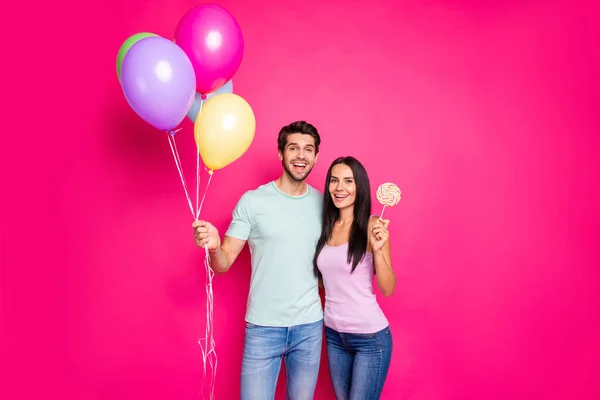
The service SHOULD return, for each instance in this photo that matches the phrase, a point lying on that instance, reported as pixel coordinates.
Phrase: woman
(352, 248)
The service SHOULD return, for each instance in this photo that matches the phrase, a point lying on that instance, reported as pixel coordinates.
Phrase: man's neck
(291, 187)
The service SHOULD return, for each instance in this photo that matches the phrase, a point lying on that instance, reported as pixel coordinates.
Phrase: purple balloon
(158, 81)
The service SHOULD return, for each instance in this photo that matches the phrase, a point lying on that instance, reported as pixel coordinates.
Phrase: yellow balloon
(224, 129)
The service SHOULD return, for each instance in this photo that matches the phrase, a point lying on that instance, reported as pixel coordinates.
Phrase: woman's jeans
(358, 363)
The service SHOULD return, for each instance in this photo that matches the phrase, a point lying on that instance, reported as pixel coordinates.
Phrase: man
(281, 221)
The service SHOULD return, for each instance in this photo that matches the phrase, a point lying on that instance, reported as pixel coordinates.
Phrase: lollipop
(388, 195)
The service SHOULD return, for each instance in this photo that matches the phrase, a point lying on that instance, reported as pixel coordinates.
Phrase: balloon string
(197, 184)
(208, 347)
(198, 170)
(207, 343)
(381, 216)
(177, 152)
(173, 145)
(210, 175)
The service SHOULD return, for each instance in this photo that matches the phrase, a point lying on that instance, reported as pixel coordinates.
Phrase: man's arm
(224, 256)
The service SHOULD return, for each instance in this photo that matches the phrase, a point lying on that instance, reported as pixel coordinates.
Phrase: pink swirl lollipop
(388, 195)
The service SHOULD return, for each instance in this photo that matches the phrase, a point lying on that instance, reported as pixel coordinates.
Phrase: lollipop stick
(381, 216)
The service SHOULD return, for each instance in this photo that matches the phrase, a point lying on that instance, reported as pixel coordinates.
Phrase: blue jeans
(358, 363)
(264, 347)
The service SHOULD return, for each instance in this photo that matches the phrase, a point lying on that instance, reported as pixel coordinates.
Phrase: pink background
(486, 116)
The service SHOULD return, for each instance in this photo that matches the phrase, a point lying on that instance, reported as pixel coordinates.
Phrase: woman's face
(342, 186)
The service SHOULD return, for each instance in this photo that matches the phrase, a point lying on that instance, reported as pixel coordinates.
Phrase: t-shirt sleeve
(241, 224)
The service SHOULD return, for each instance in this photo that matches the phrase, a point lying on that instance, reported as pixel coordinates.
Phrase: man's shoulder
(258, 191)
(252, 195)
(314, 192)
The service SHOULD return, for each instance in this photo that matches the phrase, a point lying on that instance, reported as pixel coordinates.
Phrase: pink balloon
(212, 39)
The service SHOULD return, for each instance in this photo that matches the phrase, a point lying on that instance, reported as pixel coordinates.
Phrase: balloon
(127, 45)
(158, 82)
(224, 130)
(193, 113)
(212, 39)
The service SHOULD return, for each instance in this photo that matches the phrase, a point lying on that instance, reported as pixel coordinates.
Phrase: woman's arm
(379, 239)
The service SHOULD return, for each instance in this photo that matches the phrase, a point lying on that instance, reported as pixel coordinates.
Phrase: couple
(284, 222)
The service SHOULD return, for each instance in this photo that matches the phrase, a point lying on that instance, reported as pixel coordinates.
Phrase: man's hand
(205, 234)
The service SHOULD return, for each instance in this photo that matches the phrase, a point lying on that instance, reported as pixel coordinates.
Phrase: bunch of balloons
(166, 80)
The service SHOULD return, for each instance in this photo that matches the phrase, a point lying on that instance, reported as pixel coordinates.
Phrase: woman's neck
(346, 215)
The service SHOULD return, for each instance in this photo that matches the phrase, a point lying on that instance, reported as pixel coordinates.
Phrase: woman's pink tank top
(350, 302)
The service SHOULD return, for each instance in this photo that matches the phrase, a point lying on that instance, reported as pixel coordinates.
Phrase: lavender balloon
(158, 81)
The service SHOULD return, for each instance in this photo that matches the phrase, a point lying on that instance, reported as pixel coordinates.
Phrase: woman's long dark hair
(357, 245)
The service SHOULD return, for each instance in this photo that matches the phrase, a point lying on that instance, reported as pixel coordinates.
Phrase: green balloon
(127, 45)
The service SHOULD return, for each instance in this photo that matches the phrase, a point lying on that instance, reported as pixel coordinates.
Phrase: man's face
(299, 156)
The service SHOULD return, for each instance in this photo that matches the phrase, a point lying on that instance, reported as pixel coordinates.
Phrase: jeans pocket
(384, 338)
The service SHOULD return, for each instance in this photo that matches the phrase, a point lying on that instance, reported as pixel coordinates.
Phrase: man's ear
(280, 154)
(316, 158)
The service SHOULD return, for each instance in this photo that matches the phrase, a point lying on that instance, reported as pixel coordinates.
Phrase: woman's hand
(379, 234)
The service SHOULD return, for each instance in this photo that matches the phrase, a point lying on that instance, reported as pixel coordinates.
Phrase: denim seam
(376, 387)
(387, 334)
